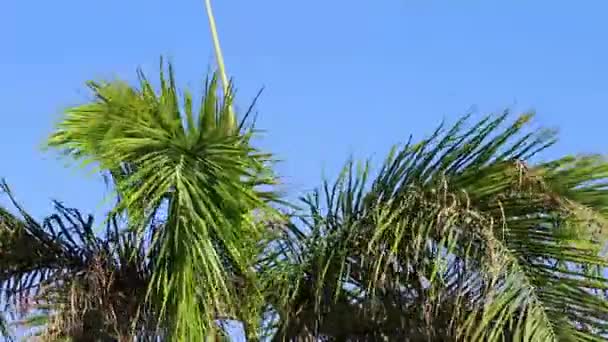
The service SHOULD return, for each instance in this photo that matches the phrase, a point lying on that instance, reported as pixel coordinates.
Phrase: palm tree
(198, 174)
(458, 237)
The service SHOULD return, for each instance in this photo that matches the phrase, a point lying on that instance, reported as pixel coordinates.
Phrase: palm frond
(198, 169)
(62, 271)
(457, 238)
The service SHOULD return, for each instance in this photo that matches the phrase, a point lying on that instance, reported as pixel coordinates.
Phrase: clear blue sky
(340, 77)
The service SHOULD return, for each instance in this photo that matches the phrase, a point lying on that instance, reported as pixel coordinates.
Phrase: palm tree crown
(458, 237)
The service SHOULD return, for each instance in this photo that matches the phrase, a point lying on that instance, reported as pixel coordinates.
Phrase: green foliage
(200, 169)
(4, 331)
(456, 238)
(460, 237)
(58, 274)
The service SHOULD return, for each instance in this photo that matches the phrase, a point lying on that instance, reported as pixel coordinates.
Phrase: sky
(340, 77)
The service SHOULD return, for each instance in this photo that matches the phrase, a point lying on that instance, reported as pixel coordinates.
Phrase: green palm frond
(199, 170)
(56, 273)
(31, 252)
(457, 238)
